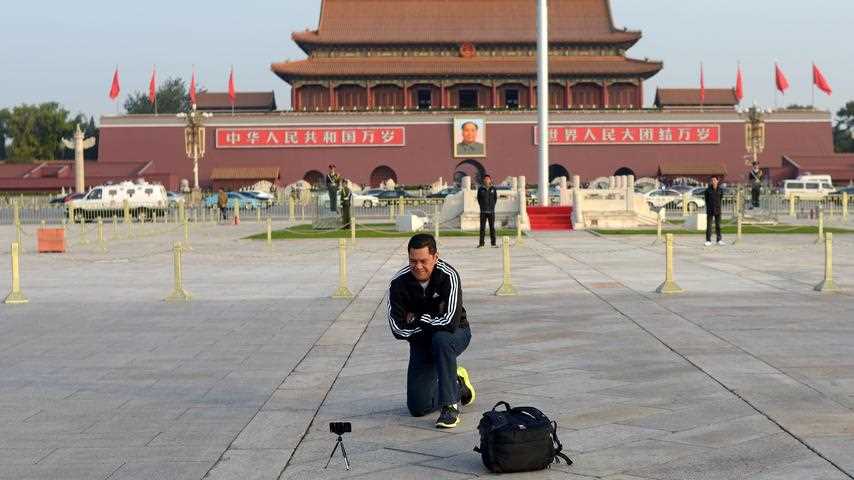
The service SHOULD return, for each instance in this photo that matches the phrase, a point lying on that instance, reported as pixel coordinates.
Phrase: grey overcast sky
(66, 51)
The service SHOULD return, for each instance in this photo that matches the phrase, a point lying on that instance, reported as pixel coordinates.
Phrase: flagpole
(542, 101)
(813, 85)
(117, 96)
(155, 90)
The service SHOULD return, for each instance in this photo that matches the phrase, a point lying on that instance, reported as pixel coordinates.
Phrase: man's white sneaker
(721, 242)
(708, 244)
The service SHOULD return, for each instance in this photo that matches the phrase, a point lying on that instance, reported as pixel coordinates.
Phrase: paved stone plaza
(749, 374)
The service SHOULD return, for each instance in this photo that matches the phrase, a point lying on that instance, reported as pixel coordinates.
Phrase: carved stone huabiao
(79, 144)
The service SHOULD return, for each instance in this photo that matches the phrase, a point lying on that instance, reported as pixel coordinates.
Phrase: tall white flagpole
(543, 99)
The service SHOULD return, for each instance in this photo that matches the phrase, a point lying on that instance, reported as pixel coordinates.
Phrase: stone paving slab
(746, 375)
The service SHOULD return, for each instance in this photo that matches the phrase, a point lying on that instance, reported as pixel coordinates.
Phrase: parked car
(265, 198)
(682, 188)
(445, 192)
(359, 200)
(849, 190)
(174, 198)
(809, 187)
(662, 198)
(389, 196)
(63, 199)
(246, 201)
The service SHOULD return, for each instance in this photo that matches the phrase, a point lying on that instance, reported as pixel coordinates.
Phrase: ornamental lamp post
(194, 145)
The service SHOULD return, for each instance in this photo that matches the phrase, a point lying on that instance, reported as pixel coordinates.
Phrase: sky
(50, 51)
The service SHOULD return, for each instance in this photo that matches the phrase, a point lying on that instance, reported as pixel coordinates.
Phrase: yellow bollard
(258, 215)
(343, 291)
(845, 206)
(669, 285)
(519, 239)
(292, 210)
(684, 204)
(820, 226)
(15, 297)
(269, 232)
(126, 211)
(115, 227)
(739, 200)
(101, 243)
(827, 285)
(437, 221)
(182, 211)
(738, 229)
(178, 294)
(16, 209)
(353, 230)
(237, 212)
(71, 214)
(401, 204)
(792, 200)
(85, 240)
(187, 235)
(506, 289)
(391, 211)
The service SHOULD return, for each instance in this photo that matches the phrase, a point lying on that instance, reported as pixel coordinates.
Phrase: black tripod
(339, 443)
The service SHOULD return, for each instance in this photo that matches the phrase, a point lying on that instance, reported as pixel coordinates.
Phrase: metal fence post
(827, 285)
(178, 294)
(342, 291)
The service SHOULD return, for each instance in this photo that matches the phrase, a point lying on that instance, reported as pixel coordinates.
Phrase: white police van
(108, 200)
(809, 187)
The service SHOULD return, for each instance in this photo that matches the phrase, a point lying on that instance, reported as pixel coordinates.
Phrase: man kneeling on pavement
(425, 307)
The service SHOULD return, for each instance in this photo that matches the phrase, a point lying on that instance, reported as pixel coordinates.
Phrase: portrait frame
(479, 144)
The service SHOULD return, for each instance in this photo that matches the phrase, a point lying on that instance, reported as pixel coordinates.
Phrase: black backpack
(520, 439)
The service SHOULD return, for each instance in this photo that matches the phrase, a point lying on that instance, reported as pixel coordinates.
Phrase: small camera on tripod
(340, 428)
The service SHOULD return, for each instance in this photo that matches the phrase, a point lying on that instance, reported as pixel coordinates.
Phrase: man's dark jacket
(487, 198)
(438, 308)
(713, 200)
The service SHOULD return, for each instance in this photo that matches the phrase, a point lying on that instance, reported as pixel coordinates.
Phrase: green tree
(36, 131)
(171, 98)
(844, 128)
(92, 131)
(4, 119)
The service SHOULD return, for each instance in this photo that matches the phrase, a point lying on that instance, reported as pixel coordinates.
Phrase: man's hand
(410, 318)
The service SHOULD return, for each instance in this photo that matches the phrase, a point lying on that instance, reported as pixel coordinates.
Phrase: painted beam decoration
(673, 134)
(310, 137)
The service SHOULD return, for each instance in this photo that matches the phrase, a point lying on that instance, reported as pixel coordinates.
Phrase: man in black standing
(755, 186)
(487, 197)
(713, 211)
(332, 181)
(425, 307)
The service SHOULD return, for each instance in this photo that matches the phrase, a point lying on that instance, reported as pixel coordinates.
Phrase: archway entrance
(556, 171)
(469, 168)
(382, 174)
(313, 177)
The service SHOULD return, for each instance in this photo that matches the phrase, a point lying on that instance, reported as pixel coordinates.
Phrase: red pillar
(640, 93)
(569, 99)
(442, 102)
(333, 101)
(406, 100)
(294, 105)
(605, 99)
(531, 95)
(494, 96)
(370, 98)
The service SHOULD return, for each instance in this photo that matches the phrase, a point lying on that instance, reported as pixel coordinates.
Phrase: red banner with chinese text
(633, 135)
(310, 137)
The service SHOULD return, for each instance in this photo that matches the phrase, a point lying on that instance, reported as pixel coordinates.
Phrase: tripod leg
(337, 443)
(346, 459)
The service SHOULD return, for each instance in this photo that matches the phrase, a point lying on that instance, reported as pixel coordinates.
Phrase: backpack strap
(506, 406)
(559, 447)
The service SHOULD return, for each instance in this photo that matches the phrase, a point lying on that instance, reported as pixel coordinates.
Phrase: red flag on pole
(702, 86)
(232, 94)
(781, 80)
(152, 87)
(193, 89)
(819, 81)
(115, 88)
(739, 85)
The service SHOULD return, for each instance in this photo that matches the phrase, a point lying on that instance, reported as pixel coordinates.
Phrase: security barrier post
(115, 226)
(820, 226)
(401, 204)
(258, 215)
(391, 211)
(85, 240)
(15, 297)
(16, 208)
(827, 285)
(342, 291)
(738, 229)
(353, 229)
(845, 206)
(178, 294)
(270, 232)
(292, 210)
(519, 239)
(506, 289)
(669, 285)
(791, 205)
(126, 211)
(684, 204)
(101, 243)
(187, 235)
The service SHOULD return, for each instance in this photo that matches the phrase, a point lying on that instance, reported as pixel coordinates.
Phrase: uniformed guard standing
(755, 186)
(346, 202)
(332, 182)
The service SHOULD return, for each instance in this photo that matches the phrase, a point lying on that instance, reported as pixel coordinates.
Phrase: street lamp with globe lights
(194, 144)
